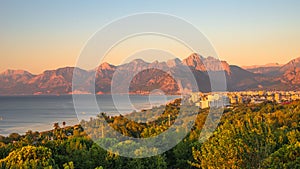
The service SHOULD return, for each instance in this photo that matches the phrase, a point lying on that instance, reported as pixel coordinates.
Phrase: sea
(18, 114)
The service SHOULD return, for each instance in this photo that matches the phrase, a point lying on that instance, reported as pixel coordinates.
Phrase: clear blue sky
(38, 35)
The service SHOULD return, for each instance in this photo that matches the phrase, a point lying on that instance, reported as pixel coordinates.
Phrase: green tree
(29, 157)
(69, 165)
(286, 157)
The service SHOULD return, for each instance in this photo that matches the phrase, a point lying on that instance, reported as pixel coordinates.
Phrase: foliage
(248, 136)
(29, 157)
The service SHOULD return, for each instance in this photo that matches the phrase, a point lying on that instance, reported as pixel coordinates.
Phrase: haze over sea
(38, 113)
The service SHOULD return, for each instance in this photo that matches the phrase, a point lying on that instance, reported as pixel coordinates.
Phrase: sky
(42, 35)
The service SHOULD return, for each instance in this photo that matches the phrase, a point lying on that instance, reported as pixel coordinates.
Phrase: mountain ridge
(151, 75)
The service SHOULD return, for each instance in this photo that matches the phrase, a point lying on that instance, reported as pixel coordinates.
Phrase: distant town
(205, 100)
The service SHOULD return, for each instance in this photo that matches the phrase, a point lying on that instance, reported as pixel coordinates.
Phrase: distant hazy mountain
(280, 77)
(143, 77)
(268, 69)
(265, 66)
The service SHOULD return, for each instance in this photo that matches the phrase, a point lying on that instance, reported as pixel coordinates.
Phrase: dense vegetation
(248, 136)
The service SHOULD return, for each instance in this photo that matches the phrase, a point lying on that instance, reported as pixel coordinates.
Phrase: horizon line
(74, 66)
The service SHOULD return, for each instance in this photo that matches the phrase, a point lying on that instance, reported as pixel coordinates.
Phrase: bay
(38, 112)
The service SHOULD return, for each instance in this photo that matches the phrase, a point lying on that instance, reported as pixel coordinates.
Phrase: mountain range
(140, 77)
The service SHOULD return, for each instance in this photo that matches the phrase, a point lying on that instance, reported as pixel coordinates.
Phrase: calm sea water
(37, 113)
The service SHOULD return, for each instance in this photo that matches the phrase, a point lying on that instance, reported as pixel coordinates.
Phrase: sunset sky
(40, 35)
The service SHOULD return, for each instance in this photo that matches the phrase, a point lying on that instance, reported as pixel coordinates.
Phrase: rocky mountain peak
(174, 62)
(291, 65)
(291, 71)
(293, 62)
(214, 64)
(138, 61)
(206, 64)
(195, 61)
(106, 66)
